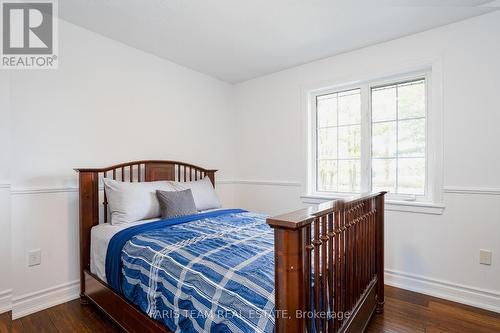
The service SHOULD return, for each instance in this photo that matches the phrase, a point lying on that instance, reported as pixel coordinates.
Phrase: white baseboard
(43, 299)
(5, 300)
(480, 298)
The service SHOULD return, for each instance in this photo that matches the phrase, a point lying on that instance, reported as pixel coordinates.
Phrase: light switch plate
(485, 257)
(34, 257)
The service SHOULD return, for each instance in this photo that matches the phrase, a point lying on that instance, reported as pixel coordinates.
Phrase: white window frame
(432, 199)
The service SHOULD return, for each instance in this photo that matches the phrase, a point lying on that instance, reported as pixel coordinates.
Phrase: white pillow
(131, 202)
(203, 193)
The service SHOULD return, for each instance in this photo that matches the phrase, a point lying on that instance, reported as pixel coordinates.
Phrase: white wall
(5, 253)
(436, 254)
(4, 126)
(106, 103)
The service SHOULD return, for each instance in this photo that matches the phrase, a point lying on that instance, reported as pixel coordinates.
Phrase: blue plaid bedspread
(209, 272)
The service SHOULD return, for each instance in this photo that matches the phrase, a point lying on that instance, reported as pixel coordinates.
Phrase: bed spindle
(331, 270)
(350, 254)
(308, 273)
(372, 233)
(380, 253)
(337, 287)
(316, 251)
(361, 252)
(367, 244)
(105, 203)
(363, 265)
(324, 254)
(358, 254)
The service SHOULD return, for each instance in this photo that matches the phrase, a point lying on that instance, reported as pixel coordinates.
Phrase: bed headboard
(91, 206)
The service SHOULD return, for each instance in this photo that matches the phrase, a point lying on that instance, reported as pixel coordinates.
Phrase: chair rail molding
(74, 189)
(285, 183)
(472, 190)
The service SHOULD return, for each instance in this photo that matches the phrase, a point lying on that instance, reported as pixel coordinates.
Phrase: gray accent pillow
(176, 203)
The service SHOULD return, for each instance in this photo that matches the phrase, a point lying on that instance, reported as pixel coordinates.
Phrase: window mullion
(365, 139)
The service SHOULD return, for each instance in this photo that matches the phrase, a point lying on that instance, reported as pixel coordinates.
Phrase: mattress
(100, 235)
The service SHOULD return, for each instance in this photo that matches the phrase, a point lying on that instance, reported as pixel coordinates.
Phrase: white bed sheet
(100, 235)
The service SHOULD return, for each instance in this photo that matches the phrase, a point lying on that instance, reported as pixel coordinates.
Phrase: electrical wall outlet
(34, 257)
(485, 257)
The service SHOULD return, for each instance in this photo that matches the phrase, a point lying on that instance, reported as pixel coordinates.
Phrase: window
(339, 141)
(372, 137)
(398, 138)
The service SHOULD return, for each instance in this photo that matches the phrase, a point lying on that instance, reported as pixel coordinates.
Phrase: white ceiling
(236, 40)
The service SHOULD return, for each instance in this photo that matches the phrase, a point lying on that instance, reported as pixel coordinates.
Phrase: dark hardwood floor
(405, 311)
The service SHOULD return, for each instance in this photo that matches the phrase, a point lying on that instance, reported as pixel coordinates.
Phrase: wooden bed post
(380, 251)
(290, 275)
(211, 176)
(292, 251)
(89, 217)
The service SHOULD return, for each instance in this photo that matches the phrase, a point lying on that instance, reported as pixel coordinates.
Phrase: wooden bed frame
(347, 235)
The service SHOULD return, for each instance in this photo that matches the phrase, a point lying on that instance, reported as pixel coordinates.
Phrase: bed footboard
(329, 273)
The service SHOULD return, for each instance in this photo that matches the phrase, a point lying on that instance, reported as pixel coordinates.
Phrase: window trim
(433, 77)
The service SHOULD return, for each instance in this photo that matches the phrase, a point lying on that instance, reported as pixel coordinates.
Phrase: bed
(319, 269)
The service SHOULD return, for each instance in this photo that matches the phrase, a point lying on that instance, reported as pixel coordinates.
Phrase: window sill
(390, 205)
